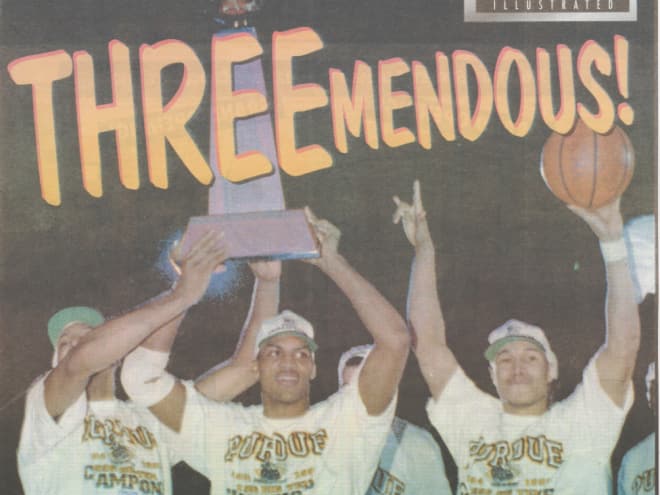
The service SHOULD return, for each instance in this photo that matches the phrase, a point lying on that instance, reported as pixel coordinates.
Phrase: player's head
(285, 349)
(350, 362)
(67, 327)
(651, 391)
(522, 366)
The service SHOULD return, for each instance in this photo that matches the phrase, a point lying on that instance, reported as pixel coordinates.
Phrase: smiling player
(285, 444)
(522, 442)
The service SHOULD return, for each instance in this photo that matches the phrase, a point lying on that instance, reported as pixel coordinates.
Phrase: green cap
(75, 314)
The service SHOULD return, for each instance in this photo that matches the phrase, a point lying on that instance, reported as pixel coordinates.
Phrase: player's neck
(102, 385)
(534, 409)
(279, 410)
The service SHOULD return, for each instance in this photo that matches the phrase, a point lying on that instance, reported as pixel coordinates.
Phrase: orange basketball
(588, 169)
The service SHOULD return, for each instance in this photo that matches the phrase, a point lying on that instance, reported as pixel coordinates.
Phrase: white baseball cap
(359, 351)
(286, 323)
(514, 330)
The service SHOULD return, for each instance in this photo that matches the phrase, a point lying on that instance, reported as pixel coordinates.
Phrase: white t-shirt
(96, 448)
(410, 464)
(637, 471)
(499, 453)
(332, 449)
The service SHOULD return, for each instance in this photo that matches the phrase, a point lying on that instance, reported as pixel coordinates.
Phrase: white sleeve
(596, 420)
(460, 411)
(206, 426)
(357, 437)
(40, 432)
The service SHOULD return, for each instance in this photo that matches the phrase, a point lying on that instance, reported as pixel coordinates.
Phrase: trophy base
(280, 234)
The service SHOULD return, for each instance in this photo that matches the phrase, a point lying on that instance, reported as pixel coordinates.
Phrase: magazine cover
(267, 184)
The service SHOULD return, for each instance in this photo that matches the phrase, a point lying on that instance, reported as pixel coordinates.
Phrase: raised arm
(616, 358)
(143, 371)
(232, 377)
(384, 366)
(436, 360)
(103, 346)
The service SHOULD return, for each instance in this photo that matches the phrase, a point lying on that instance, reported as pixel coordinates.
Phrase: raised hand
(327, 234)
(174, 256)
(413, 217)
(606, 222)
(205, 257)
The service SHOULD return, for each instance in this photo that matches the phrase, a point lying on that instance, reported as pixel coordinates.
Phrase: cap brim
(76, 314)
(310, 343)
(496, 346)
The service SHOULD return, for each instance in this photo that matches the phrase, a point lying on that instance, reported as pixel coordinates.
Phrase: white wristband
(144, 378)
(614, 250)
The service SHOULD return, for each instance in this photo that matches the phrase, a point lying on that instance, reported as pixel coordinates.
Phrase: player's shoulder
(36, 387)
(345, 401)
(35, 400)
(209, 407)
(333, 401)
(586, 394)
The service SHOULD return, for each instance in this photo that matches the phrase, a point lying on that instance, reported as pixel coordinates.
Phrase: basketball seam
(561, 170)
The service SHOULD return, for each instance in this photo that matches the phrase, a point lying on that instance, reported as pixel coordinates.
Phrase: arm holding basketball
(436, 360)
(616, 359)
(383, 368)
(232, 377)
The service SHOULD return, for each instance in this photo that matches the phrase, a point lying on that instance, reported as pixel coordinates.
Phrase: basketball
(585, 168)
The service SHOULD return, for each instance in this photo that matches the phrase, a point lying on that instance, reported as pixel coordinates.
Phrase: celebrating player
(226, 380)
(77, 437)
(523, 441)
(411, 462)
(284, 444)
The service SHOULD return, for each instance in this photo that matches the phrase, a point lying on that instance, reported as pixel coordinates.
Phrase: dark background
(507, 248)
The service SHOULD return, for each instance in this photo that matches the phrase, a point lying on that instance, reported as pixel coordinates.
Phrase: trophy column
(252, 214)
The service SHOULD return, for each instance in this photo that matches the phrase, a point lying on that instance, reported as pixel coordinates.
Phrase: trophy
(252, 214)
(237, 13)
